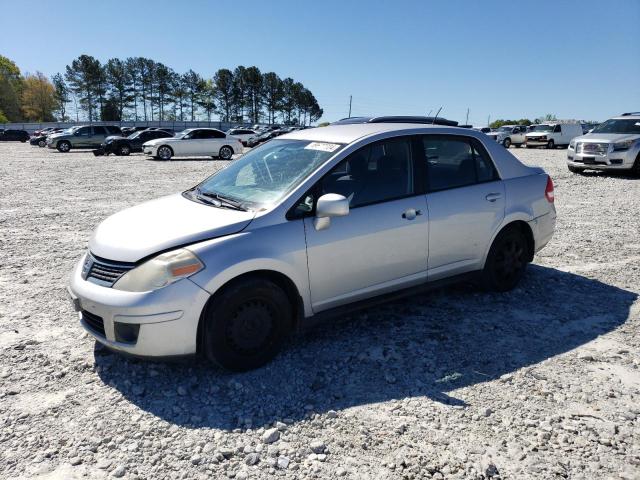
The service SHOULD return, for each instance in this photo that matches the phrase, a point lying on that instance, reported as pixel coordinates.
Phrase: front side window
(83, 131)
(376, 173)
(455, 162)
(267, 173)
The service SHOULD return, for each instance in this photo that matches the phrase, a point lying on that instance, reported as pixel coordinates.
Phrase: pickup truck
(509, 135)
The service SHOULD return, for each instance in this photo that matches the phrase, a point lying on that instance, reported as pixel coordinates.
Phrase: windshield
(182, 133)
(544, 128)
(620, 126)
(267, 173)
(505, 129)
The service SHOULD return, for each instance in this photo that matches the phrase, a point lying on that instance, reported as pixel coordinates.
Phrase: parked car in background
(508, 135)
(126, 131)
(242, 134)
(260, 138)
(230, 267)
(88, 136)
(11, 135)
(41, 139)
(194, 142)
(552, 135)
(612, 145)
(133, 143)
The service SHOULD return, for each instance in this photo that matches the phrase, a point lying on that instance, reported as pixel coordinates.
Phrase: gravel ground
(542, 382)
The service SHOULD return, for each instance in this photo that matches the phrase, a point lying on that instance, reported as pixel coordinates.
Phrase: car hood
(607, 137)
(158, 141)
(161, 224)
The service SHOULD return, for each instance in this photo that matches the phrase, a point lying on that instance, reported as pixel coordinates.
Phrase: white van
(551, 135)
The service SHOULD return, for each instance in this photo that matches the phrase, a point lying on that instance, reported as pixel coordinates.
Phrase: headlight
(160, 271)
(623, 145)
(572, 144)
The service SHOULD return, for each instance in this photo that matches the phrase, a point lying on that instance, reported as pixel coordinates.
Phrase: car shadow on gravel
(422, 346)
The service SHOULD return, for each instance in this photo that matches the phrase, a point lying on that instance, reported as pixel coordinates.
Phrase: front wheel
(506, 262)
(42, 143)
(244, 326)
(124, 150)
(165, 153)
(64, 146)
(551, 144)
(506, 142)
(225, 153)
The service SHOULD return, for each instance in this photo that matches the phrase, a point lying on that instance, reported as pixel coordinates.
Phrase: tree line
(139, 88)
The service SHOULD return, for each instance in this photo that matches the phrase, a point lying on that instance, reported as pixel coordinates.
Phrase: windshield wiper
(222, 201)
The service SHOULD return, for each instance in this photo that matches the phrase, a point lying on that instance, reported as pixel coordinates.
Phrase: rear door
(466, 200)
(98, 135)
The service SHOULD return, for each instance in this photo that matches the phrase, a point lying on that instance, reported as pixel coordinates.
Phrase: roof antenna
(436, 117)
(429, 114)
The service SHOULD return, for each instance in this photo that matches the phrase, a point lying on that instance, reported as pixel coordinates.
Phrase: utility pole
(466, 122)
(350, 99)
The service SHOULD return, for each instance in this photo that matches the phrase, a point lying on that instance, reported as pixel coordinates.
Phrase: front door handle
(492, 197)
(411, 213)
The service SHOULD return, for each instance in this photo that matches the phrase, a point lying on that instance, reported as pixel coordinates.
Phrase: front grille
(104, 272)
(94, 322)
(592, 148)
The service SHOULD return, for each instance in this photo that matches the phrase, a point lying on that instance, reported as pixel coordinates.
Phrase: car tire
(124, 150)
(635, 170)
(42, 143)
(165, 153)
(64, 146)
(506, 143)
(551, 144)
(573, 169)
(225, 152)
(245, 324)
(506, 262)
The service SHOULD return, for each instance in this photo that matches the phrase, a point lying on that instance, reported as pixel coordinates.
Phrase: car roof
(349, 133)
(627, 117)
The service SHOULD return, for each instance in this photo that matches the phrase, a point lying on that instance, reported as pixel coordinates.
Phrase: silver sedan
(301, 228)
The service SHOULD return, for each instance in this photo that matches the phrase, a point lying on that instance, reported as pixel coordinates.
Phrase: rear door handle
(411, 213)
(492, 197)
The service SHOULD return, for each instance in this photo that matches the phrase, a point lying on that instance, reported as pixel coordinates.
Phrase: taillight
(548, 191)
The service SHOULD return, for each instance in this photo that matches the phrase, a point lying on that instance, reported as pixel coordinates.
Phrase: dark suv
(14, 136)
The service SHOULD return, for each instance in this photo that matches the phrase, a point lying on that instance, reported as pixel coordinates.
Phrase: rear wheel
(245, 325)
(551, 144)
(42, 143)
(507, 261)
(506, 142)
(64, 146)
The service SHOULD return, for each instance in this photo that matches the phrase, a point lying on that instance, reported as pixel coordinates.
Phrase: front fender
(277, 248)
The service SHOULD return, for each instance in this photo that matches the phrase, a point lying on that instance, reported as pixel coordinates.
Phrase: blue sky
(508, 59)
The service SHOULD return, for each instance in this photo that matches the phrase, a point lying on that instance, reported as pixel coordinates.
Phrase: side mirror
(330, 205)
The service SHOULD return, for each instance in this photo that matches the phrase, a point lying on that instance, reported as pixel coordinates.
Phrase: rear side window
(456, 162)
(99, 131)
(113, 129)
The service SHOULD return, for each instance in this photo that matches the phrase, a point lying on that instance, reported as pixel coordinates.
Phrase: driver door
(380, 246)
(82, 137)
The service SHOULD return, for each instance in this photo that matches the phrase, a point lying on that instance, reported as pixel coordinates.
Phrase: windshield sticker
(323, 147)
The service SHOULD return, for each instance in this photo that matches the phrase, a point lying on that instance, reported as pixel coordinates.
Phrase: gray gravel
(542, 382)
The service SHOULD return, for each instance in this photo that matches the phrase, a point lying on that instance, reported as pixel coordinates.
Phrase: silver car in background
(305, 226)
(612, 145)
